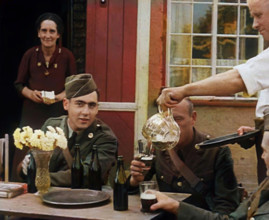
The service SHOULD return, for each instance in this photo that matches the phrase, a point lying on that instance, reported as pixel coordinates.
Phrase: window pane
(200, 73)
(221, 70)
(248, 48)
(202, 49)
(202, 18)
(226, 62)
(227, 19)
(203, 0)
(181, 16)
(226, 48)
(194, 0)
(179, 76)
(246, 22)
(229, 1)
(180, 50)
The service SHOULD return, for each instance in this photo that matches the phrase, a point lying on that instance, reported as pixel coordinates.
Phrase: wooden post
(6, 150)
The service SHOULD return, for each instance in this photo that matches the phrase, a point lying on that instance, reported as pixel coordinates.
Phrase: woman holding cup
(44, 68)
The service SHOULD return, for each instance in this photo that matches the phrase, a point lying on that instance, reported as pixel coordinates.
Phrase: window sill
(225, 102)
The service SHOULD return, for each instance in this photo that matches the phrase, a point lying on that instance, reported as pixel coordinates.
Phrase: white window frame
(214, 35)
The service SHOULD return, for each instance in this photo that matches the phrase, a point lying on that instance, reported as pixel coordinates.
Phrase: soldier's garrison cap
(79, 85)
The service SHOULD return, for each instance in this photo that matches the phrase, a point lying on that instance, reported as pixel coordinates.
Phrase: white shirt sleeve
(263, 103)
(255, 72)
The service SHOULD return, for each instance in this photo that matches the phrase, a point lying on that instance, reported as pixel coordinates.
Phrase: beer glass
(145, 154)
(147, 196)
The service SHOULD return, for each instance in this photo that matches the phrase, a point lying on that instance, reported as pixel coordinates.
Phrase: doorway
(17, 34)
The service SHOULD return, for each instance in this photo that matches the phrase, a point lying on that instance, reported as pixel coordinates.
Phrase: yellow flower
(60, 131)
(51, 129)
(50, 140)
(17, 138)
(38, 139)
(26, 135)
(47, 143)
(61, 140)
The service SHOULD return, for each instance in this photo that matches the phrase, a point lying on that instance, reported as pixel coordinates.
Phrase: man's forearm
(227, 83)
(223, 84)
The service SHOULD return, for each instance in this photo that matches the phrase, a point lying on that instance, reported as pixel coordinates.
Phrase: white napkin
(48, 94)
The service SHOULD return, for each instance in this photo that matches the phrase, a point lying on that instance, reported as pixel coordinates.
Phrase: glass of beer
(147, 195)
(145, 154)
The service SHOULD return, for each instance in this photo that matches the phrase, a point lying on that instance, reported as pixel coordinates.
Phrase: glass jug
(162, 130)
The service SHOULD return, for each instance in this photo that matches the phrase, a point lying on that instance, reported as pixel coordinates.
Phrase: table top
(31, 205)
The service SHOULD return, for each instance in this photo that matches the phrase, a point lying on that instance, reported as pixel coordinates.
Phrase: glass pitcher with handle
(162, 130)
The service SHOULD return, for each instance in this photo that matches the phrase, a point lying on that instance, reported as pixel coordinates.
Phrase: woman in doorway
(43, 69)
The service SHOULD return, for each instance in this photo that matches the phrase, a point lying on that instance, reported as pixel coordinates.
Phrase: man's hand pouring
(170, 97)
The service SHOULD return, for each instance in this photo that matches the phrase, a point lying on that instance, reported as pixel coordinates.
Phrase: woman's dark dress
(34, 74)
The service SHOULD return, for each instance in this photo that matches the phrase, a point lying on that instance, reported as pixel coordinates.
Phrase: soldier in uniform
(216, 189)
(256, 207)
(81, 127)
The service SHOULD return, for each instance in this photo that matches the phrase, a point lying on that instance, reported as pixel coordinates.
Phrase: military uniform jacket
(98, 134)
(243, 212)
(213, 166)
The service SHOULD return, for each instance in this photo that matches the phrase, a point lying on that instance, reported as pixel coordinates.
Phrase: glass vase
(42, 179)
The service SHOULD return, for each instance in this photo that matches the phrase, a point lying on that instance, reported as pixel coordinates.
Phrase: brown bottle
(77, 170)
(120, 193)
(95, 174)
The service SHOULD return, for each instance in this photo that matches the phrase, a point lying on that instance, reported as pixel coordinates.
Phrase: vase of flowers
(42, 178)
(41, 145)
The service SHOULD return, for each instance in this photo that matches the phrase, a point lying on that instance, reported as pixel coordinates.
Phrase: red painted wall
(157, 53)
(111, 48)
(122, 123)
(111, 58)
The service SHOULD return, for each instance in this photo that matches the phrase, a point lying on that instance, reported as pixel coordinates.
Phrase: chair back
(4, 157)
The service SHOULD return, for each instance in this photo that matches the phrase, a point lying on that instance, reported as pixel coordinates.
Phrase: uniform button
(248, 208)
(252, 218)
(98, 125)
(179, 184)
(162, 177)
(90, 135)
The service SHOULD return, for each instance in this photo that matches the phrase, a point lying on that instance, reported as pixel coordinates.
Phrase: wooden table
(31, 205)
